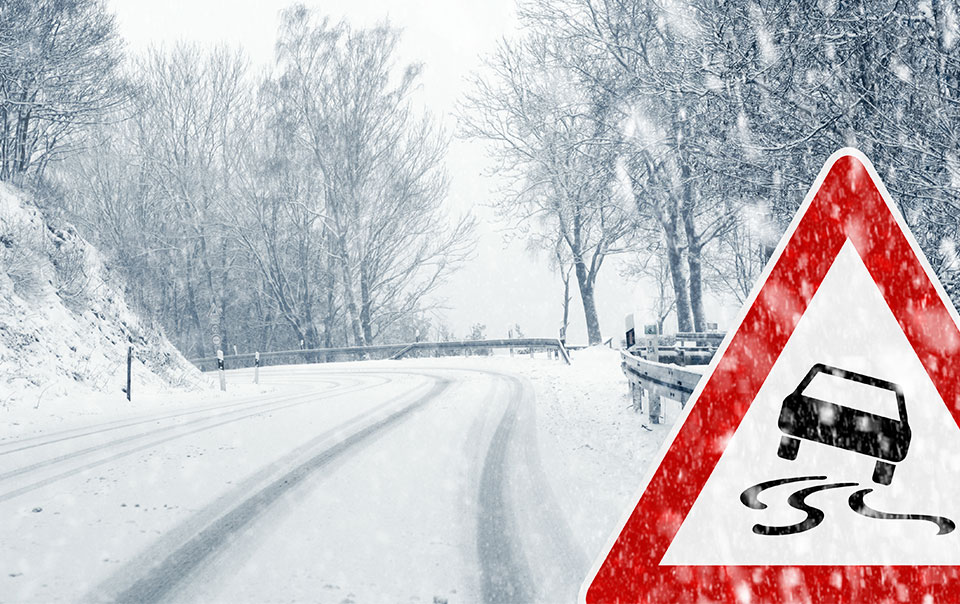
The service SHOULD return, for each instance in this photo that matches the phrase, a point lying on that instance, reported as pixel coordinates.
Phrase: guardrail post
(223, 379)
(256, 368)
(636, 392)
(129, 369)
(654, 408)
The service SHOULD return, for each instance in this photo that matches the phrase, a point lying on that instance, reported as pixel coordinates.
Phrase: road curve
(382, 484)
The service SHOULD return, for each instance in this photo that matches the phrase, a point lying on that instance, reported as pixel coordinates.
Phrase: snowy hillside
(64, 324)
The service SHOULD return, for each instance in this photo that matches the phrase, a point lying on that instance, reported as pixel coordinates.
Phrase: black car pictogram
(808, 418)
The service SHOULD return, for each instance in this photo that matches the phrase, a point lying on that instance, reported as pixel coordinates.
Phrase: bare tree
(544, 128)
(159, 183)
(381, 168)
(280, 221)
(59, 64)
(192, 110)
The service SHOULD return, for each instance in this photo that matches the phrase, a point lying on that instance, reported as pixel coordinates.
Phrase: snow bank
(595, 448)
(65, 326)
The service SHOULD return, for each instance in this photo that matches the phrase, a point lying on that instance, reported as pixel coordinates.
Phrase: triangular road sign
(818, 459)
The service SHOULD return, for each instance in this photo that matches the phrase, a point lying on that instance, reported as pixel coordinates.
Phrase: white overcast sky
(503, 284)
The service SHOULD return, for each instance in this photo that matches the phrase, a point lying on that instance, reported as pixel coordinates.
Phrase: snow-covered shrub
(69, 258)
(21, 252)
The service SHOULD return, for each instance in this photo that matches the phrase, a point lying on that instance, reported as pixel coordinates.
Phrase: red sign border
(847, 201)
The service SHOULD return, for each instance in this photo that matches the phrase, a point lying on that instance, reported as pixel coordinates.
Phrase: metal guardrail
(384, 351)
(685, 348)
(650, 380)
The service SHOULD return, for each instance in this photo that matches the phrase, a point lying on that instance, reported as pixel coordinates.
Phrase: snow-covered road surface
(414, 482)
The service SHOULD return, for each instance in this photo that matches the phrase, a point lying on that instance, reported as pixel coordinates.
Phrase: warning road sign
(817, 459)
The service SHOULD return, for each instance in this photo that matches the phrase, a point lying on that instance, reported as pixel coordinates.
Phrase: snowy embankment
(65, 326)
(595, 448)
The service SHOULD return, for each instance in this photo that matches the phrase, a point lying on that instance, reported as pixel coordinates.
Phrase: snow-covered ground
(65, 408)
(456, 479)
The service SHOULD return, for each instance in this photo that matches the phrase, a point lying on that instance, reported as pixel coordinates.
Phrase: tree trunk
(682, 290)
(667, 218)
(349, 299)
(329, 319)
(675, 264)
(680, 293)
(365, 306)
(312, 338)
(224, 280)
(566, 305)
(311, 335)
(589, 305)
(192, 302)
(263, 339)
(694, 264)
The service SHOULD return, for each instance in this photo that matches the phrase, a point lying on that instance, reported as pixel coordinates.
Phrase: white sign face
(848, 432)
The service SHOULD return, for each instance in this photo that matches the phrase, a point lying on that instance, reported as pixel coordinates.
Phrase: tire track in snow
(165, 576)
(504, 577)
(241, 413)
(292, 401)
(24, 444)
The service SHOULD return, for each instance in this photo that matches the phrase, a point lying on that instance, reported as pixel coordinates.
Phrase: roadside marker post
(256, 368)
(836, 396)
(220, 370)
(129, 369)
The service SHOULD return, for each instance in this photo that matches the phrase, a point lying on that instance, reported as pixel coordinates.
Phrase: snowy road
(342, 485)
